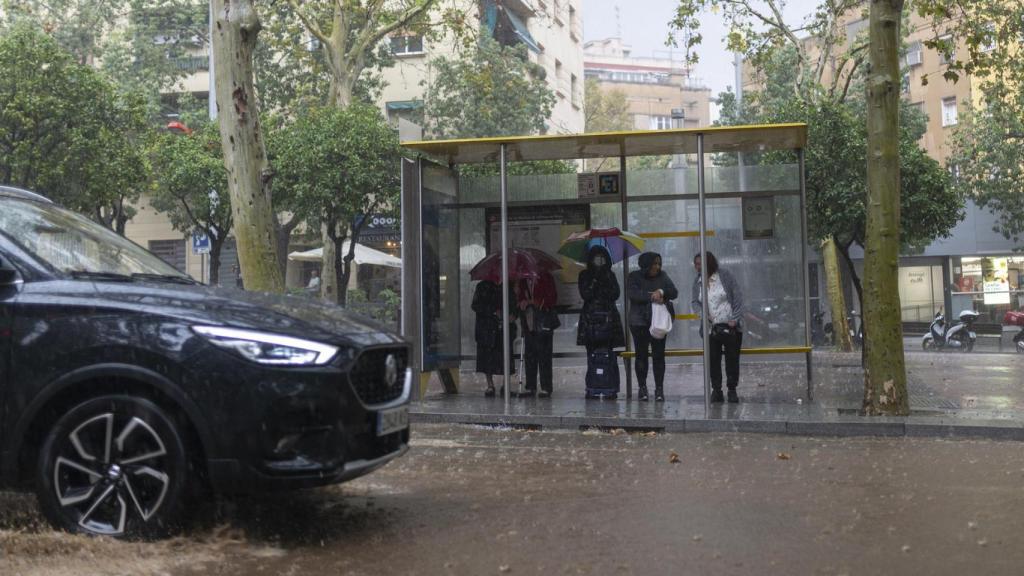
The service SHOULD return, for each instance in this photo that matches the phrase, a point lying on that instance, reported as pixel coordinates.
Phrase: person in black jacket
(600, 324)
(650, 284)
(489, 334)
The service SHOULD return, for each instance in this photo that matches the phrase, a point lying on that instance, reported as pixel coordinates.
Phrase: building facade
(653, 86)
(552, 31)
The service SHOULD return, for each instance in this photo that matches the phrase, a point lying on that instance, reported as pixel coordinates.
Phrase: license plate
(393, 420)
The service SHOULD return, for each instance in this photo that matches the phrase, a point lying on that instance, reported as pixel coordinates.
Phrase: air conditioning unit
(914, 58)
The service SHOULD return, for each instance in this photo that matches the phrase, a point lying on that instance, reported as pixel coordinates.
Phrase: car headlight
(264, 348)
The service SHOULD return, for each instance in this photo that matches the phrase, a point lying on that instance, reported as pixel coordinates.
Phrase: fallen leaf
(673, 458)
(617, 432)
(504, 568)
(783, 456)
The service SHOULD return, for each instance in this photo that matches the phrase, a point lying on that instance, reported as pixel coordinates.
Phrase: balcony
(192, 64)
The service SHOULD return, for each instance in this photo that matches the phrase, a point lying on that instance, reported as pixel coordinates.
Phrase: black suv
(126, 387)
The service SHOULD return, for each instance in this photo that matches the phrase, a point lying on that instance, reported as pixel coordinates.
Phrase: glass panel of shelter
(544, 208)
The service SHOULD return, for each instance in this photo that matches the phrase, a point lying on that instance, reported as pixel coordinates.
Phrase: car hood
(297, 316)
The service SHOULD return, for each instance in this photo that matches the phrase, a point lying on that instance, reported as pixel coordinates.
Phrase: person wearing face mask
(649, 285)
(600, 326)
(725, 308)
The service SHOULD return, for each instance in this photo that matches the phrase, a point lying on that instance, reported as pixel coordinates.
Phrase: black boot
(716, 396)
(659, 393)
(733, 397)
(641, 393)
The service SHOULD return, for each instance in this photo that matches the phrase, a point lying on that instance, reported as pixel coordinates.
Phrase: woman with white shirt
(725, 310)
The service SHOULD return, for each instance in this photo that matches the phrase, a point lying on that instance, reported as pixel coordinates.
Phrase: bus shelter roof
(614, 144)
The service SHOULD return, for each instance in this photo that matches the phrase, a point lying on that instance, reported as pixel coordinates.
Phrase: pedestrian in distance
(649, 285)
(537, 298)
(489, 333)
(724, 322)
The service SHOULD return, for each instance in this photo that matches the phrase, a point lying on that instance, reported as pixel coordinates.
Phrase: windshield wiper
(109, 276)
(164, 278)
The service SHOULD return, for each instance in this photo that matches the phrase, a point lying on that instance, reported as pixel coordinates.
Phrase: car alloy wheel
(113, 466)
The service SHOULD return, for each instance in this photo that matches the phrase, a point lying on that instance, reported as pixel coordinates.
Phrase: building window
(574, 90)
(406, 45)
(905, 83)
(171, 251)
(947, 58)
(990, 41)
(914, 54)
(661, 122)
(949, 117)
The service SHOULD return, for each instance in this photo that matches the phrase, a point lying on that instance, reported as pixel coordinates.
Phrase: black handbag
(722, 331)
(549, 321)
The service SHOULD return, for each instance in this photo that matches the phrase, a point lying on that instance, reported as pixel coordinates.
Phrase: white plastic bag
(661, 321)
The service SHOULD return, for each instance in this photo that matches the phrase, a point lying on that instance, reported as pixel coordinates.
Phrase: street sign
(200, 243)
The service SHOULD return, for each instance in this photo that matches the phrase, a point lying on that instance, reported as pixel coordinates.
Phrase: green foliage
(337, 163)
(144, 46)
(837, 175)
(605, 111)
(988, 153)
(191, 183)
(982, 39)
(496, 91)
(66, 132)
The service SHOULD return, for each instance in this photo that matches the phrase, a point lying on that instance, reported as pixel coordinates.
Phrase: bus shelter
(738, 192)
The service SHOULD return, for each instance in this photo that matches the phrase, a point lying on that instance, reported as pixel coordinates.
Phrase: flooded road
(481, 501)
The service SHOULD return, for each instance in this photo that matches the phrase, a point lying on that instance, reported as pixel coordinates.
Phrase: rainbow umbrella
(620, 245)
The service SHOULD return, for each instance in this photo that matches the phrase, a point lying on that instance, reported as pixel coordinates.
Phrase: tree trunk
(844, 251)
(216, 244)
(346, 270)
(885, 377)
(283, 233)
(840, 328)
(329, 264)
(245, 157)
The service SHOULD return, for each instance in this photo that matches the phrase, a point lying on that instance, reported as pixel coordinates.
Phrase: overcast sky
(644, 25)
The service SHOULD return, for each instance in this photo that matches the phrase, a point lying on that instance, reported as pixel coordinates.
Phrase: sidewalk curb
(890, 427)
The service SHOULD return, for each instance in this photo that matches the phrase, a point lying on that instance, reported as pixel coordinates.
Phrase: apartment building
(552, 31)
(654, 86)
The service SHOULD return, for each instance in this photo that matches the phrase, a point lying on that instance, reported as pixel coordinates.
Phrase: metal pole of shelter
(625, 271)
(506, 336)
(702, 203)
(804, 274)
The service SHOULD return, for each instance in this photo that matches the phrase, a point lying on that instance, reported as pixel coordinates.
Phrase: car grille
(368, 375)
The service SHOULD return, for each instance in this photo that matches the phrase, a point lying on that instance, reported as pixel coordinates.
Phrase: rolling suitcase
(602, 374)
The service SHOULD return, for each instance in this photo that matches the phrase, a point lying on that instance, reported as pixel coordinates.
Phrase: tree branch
(308, 22)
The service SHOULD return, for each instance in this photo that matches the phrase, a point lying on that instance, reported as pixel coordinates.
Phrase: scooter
(960, 336)
(855, 324)
(1016, 318)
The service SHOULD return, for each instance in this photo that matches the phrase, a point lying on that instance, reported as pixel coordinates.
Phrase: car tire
(114, 466)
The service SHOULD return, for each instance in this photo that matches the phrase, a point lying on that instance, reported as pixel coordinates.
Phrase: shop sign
(597, 185)
(997, 292)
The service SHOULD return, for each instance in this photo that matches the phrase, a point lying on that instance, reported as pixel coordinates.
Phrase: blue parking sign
(200, 243)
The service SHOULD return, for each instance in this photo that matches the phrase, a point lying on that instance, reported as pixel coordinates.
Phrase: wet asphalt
(469, 500)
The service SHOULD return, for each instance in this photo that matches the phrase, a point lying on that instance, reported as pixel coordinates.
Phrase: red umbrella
(523, 263)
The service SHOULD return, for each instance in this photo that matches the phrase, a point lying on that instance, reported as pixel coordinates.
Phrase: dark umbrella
(523, 263)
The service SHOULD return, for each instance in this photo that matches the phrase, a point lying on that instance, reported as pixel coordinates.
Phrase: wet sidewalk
(957, 395)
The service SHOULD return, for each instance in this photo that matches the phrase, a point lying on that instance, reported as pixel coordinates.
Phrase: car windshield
(73, 244)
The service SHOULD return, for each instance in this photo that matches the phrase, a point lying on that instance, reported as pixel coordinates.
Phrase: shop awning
(717, 139)
(404, 105)
(364, 255)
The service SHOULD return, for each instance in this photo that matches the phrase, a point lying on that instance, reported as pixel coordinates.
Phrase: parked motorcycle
(960, 336)
(1016, 318)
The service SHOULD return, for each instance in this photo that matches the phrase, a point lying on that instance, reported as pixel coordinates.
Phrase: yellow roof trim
(614, 144)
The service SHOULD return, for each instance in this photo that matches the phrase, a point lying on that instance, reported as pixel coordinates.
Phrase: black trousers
(539, 349)
(729, 346)
(644, 344)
